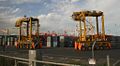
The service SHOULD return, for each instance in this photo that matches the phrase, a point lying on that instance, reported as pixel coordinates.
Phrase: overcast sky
(55, 15)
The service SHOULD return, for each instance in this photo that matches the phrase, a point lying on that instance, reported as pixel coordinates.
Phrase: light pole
(92, 60)
(93, 48)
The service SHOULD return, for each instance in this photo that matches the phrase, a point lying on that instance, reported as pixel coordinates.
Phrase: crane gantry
(86, 39)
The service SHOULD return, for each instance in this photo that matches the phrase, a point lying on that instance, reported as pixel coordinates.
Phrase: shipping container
(54, 41)
(49, 44)
(61, 41)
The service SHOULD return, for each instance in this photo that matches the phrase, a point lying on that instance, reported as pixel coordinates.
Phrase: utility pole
(108, 60)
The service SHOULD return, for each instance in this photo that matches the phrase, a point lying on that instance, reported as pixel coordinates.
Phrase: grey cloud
(109, 7)
(55, 22)
(7, 16)
(62, 10)
(25, 1)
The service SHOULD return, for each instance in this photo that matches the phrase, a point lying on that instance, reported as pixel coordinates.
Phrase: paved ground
(65, 55)
(82, 56)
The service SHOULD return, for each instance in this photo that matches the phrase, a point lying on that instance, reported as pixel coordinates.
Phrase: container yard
(59, 33)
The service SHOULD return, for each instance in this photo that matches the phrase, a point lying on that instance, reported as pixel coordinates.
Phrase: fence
(79, 58)
(16, 61)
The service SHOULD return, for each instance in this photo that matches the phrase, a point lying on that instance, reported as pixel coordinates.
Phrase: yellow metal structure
(85, 38)
(28, 33)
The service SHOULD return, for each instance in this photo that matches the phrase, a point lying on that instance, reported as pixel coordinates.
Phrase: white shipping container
(49, 41)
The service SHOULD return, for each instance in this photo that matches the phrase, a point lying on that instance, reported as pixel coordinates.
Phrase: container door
(8, 41)
(0, 42)
(49, 41)
(54, 41)
(61, 41)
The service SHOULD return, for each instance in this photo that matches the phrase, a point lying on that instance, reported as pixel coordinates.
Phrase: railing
(115, 64)
(26, 61)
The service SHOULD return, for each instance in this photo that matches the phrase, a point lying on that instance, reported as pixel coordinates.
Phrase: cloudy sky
(55, 15)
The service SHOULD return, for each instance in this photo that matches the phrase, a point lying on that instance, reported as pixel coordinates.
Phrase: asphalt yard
(65, 55)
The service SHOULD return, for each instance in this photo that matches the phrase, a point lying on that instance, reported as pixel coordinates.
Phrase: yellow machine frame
(28, 40)
(87, 40)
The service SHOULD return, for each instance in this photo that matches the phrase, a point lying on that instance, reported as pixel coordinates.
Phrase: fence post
(32, 56)
(108, 60)
(15, 62)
